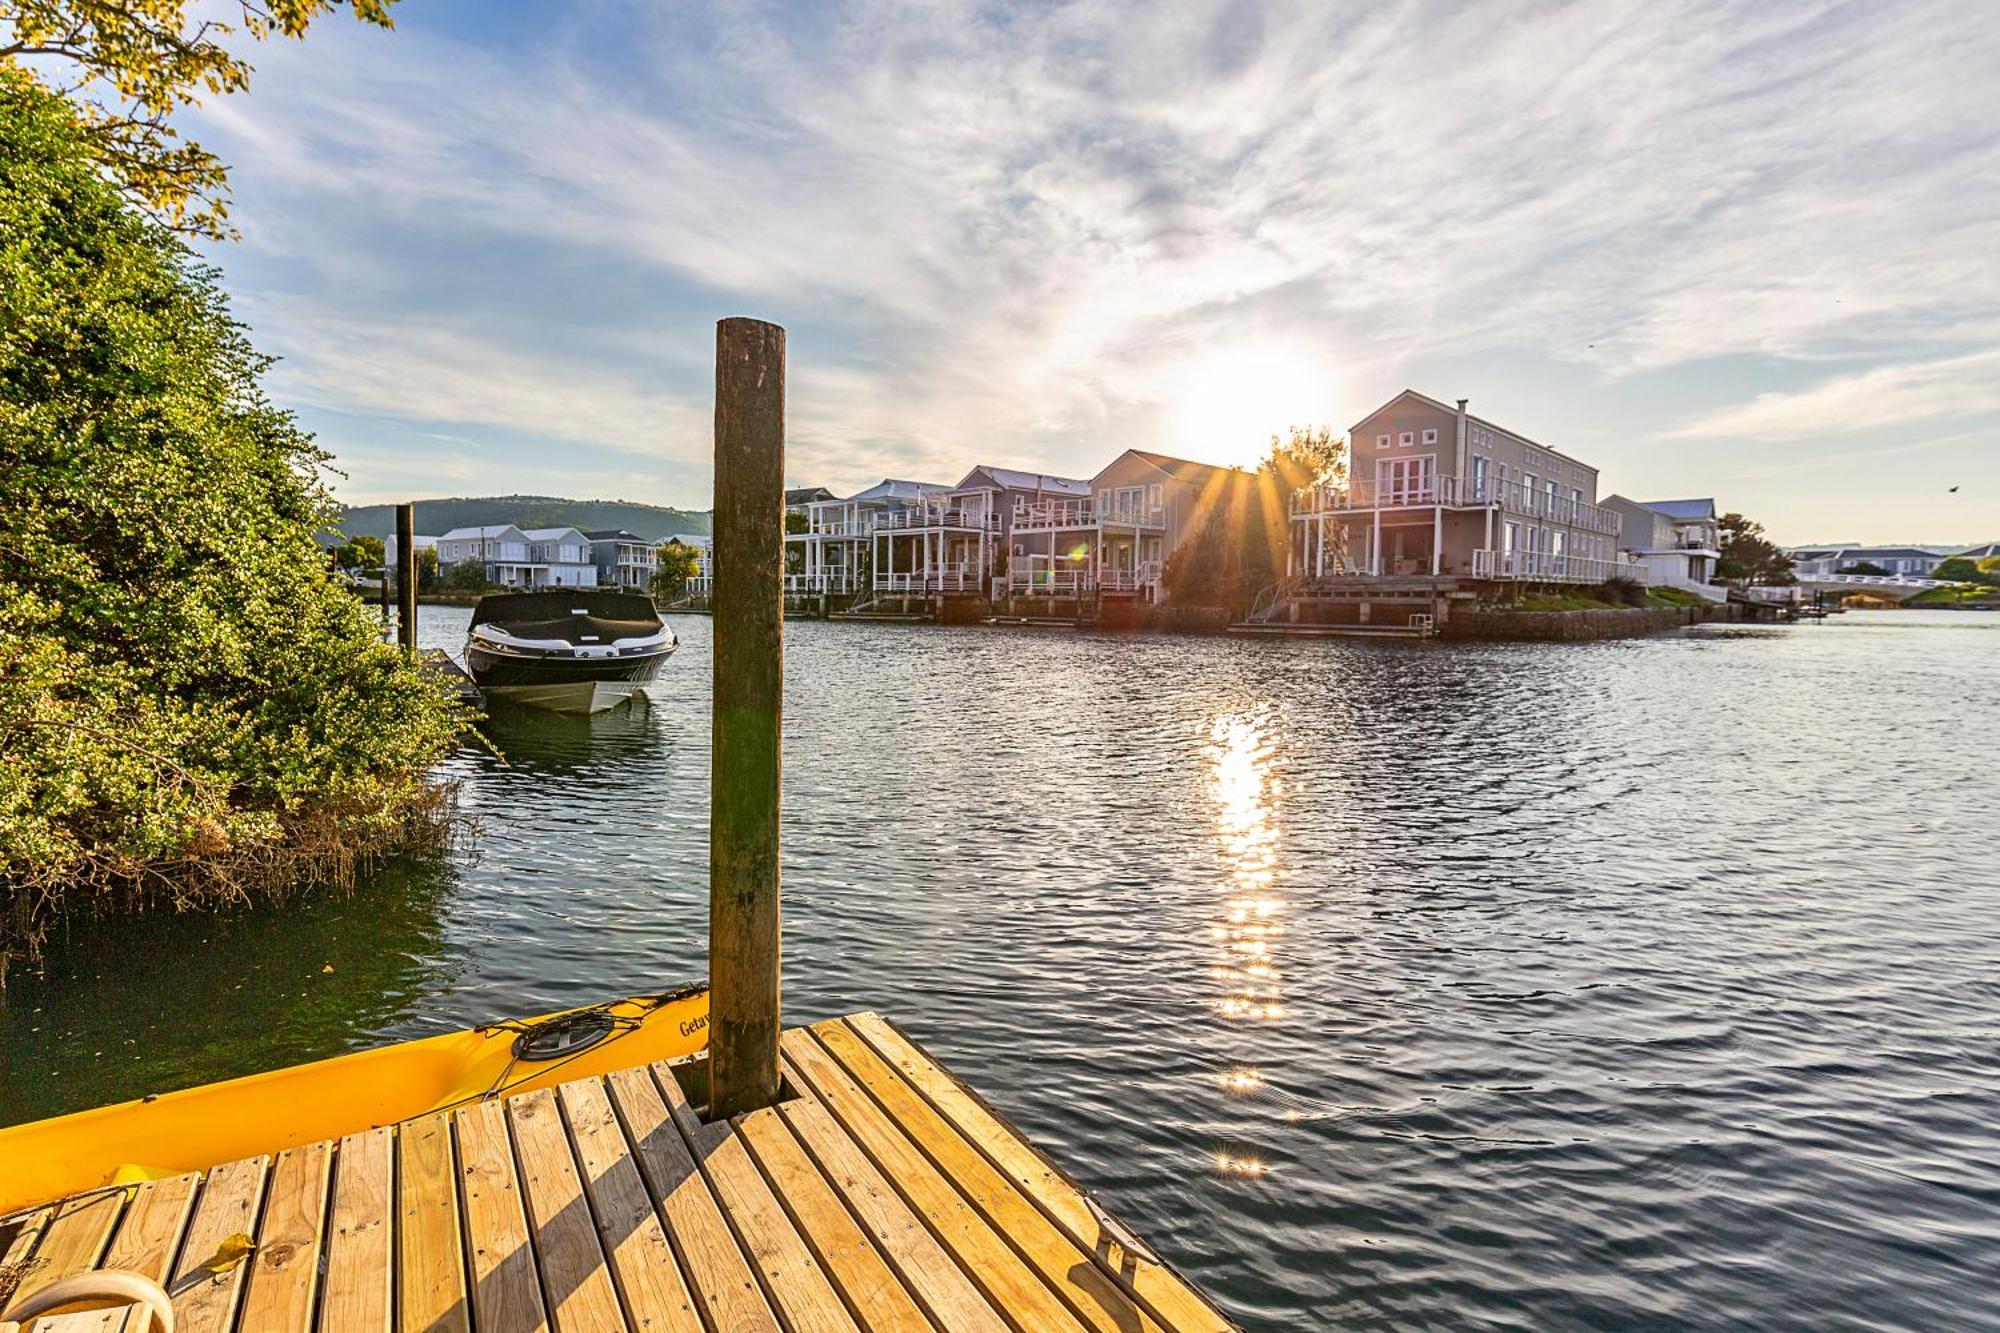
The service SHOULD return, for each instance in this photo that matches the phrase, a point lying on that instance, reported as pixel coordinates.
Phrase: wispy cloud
(1036, 234)
(1868, 400)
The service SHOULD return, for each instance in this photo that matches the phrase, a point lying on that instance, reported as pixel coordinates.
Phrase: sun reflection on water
(1249, 924)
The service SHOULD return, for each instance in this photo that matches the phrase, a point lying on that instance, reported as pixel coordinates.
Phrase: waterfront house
(1671, 543)
(838, 545)
(1437, 492)
(623, 559)
(564, 555)
(959, 541)
(513, 558)
(419, 541)
(1900, 561)
(1116, 536)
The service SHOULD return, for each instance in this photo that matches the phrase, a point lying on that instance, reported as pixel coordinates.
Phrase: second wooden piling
(406, 577)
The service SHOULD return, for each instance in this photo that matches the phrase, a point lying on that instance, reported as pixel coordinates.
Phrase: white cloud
(1021, 234)
(1868, 400)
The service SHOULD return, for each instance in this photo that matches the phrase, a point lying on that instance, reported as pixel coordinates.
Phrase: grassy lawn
(1672, 597)
(1957, 595)
(1570, 601)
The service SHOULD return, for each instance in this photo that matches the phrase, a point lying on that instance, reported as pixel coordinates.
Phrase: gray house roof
(1982, 552)
(1009, 479)
(1683, 510)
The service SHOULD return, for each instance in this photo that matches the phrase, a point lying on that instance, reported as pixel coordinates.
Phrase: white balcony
(1078, 515)
(1544, 567)
(963, 576)
(929, 518)
(1425, 490)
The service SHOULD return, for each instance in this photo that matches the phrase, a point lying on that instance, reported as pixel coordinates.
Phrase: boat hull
(200, 1127)
(566, 685)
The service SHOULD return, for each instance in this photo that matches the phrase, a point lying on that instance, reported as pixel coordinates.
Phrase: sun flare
(1231, 401)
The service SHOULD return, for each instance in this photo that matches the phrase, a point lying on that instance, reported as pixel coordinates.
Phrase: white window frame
(1431, 435)
(1405, 439)
(1381, 441)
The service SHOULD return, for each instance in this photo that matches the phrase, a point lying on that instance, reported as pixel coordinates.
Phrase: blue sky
(1745, 249)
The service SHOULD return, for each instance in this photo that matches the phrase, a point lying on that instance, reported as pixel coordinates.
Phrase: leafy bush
(1621, 590)
(678, 563)
(193, 709)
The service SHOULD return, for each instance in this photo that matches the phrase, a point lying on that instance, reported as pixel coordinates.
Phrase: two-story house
(838, 548)
(501, 549)
(1437, 492)
(623, 559)
(1671, 543)
(1115, 539)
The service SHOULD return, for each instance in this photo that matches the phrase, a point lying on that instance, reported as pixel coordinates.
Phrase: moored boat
(199, 1127)
(579, 650)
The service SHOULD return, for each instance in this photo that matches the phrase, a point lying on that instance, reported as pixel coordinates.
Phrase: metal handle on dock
(105, 1287)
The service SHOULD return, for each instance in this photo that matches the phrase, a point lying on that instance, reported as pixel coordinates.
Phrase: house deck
(883, 1194)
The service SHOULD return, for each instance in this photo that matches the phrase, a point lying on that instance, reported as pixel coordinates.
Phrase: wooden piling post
(748, 601)
(406, 577)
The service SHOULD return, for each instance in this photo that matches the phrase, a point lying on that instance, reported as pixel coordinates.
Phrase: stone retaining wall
(1545, 626)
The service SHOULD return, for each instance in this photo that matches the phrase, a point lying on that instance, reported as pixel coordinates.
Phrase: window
(1479, 478)
(1153, 495)
(1381, 442)
(1405, 440)
(1431, 436)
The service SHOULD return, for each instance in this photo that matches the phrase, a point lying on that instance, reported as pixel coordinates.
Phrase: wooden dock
(883, 1194)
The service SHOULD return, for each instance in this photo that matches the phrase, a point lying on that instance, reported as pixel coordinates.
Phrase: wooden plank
(574, 1279)
(723, 1286)
(869, 1286)
(149, 1235)
(284, 1271)
(506, 1287)
(76, 1233)
(359, 1236)
(642, 1261)
(792, 1277)
(20, 1247)
(1087, 1289)
(210, 1272)
(430, 1269)
(1014, 1289)
(1158, 1287)
(947, 1294)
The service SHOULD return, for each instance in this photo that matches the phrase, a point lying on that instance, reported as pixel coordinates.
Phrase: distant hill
(526, 511)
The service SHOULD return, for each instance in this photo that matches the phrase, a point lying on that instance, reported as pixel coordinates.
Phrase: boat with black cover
(573, 650)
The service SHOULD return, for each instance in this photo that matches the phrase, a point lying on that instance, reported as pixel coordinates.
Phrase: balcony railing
(1070, 515)
(953, 519)
(963, 576)
(832, 580)
(1130, 580)
(1050, 582)
(1422, 491)
(1544, 567)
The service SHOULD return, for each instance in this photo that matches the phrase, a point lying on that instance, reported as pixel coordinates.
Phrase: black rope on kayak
(566, 1037)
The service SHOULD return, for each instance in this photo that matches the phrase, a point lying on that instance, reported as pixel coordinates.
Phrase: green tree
(465, 576)
(427, 568)
(1864, 567)
(1750, 557)
(193, 707)
(678, 563)
(129, 65)
(364, 552)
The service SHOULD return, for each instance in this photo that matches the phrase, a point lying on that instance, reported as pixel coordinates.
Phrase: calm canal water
(1651, 984)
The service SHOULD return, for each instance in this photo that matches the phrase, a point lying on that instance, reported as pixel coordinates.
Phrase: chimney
(1461, 436)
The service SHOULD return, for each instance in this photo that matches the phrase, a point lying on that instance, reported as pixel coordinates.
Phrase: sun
(1233, 400)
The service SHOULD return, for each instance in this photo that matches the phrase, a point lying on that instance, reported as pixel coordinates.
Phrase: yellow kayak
(213, 1123)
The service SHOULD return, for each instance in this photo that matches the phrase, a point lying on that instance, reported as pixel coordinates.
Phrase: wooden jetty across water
(882, 1194)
